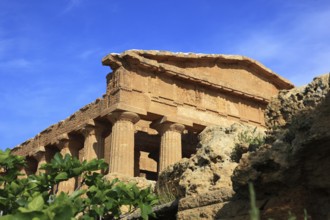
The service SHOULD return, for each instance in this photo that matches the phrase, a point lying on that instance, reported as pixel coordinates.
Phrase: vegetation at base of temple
(249, 141)
(37, 196)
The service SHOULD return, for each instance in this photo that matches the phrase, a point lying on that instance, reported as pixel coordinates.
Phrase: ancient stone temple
(155, 104)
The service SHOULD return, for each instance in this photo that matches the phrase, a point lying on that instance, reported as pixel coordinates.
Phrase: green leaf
(36, 203)
(61, 176)
(77, 193)
(58, 158)
(145, 210)
(22, 216)
(3, 157)
(15, 187)
(65, 213)
(77, 171)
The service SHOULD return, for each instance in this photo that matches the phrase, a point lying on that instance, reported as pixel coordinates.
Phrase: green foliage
(166, 198)
(37, 196)
(248, 141)
(254, 211)
(10, 165)
(166, 192)
(253, 139)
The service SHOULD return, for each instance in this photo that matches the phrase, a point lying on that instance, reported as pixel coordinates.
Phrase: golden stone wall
(181, 93)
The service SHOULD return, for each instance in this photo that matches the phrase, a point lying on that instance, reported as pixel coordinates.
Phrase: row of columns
(122, 143)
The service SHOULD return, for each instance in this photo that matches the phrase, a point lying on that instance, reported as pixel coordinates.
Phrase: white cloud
(72, 4)
(262, 45)
(88, 53)
(298, 47)
(16, 63)
(16, 67)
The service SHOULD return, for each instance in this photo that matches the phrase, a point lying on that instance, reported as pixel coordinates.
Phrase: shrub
(37, 196)
(248, 142)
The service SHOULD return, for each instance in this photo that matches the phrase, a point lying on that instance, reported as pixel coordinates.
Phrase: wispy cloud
(262, 45)
(88, 53)
(72, 4)
(15, 63)
(297, 47)
(17, 67)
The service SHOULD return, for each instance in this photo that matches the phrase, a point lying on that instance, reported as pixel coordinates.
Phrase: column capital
(39, 155)
(168, 126)
(62, 141)
(87, 130)
(62, 137)
(93, 143)
(38, 150)
(91, 129)
(123, 116)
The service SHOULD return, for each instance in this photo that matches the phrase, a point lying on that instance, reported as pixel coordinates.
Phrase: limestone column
(64, 146)
(23, 173)
(122, 142)
(94, 142)
(170, 144)
(40, 156)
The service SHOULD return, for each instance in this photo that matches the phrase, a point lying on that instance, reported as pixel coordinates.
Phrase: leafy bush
(248, 142)
(37, 196)
(253, 139)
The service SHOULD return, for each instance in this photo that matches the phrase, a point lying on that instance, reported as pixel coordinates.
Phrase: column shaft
(69, 185)
(170, 145)
(122, 143)
(170, 149)
(122, 148)
(94, 144)
(23, 172)
(41, 157)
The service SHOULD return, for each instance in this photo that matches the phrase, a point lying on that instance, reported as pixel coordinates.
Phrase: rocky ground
(289, 168)
(140, 182)
(210, 169)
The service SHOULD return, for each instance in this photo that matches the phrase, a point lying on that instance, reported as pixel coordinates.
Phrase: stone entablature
(191, 89)
(155, 104)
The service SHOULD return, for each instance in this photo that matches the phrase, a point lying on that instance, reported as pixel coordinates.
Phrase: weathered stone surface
(140, 182)
(284, 109)
(301, 140)
(291, 171)
(205, 199)
(237, 210)
(210, 168)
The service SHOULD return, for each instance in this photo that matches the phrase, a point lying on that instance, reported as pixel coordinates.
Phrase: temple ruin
(155, 104)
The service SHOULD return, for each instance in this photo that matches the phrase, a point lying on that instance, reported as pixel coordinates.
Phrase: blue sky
(51, 51)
